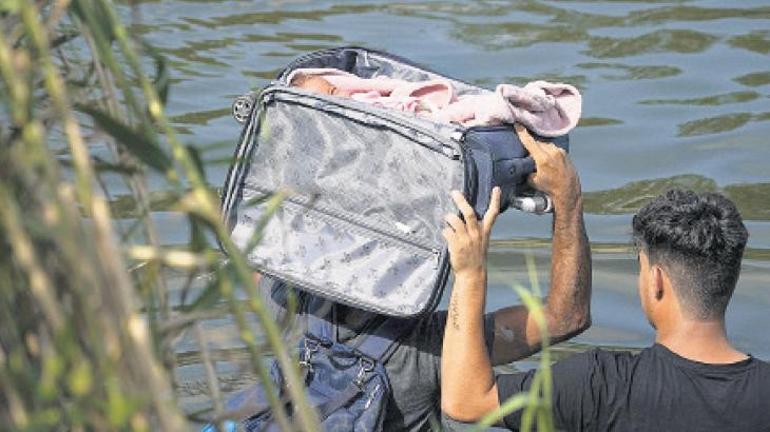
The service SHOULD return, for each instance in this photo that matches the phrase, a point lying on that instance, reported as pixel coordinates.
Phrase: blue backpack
(345, 383)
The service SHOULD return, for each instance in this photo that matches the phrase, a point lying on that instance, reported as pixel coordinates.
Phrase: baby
(423, 97)
(316, 84)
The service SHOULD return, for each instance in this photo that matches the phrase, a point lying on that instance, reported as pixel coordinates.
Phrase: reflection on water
(710, 125)
(675, 94)
(757, 41)
(755, 79)
(722, 99)
(626, 72)
(632, 196)
(751, 199)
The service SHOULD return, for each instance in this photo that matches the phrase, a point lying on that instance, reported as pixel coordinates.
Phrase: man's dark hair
(699, 240)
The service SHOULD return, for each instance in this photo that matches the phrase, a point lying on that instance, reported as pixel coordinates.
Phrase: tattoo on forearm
(454, 313)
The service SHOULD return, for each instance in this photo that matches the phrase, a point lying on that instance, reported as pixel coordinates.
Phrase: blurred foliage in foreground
(87, 327)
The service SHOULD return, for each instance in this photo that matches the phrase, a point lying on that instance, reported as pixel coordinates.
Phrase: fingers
(494, 209)
(455, 223)
(471, 225)
(537, 149)
(534, 147)
(466, 243)
(448, 234)
(467, 211)
(551, 161)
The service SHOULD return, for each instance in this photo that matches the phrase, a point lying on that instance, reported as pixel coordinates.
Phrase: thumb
(533, 180)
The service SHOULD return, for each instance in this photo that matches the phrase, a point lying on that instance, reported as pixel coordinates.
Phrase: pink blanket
(548, 109)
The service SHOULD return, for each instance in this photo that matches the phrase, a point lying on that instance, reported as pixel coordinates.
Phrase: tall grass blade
(139, 145)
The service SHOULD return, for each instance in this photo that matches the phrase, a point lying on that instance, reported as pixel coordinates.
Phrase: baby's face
(320, 85)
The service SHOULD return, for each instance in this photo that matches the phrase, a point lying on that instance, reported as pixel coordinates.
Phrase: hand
(468, 241)
(555, 174)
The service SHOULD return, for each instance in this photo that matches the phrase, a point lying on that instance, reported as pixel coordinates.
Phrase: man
(690, 249)
(509, 333)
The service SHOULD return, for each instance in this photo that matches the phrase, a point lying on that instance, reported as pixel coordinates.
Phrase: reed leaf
(85, 342)
(138, 144)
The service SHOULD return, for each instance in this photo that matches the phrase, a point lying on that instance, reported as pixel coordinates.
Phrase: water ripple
(756, 41)
(750, 198)
(660, 41)
(723, 99)
(633, 72)
(754, 79)
(717, 124)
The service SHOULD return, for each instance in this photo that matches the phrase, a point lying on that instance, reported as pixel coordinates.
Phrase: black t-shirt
(655, 390)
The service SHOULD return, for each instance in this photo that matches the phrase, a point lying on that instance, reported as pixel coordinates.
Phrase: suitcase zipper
(351, 219)
(273, 93)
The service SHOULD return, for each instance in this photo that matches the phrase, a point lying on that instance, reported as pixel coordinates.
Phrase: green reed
(87, 329)
(86, 326)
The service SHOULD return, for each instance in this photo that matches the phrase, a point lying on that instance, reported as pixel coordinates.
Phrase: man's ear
(657, 284)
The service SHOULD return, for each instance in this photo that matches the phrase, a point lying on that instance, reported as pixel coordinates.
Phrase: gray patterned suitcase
(366, 188)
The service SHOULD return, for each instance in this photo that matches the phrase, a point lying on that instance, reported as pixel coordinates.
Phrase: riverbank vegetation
(87, 322)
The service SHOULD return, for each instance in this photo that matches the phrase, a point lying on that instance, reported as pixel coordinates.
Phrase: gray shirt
(413, 369)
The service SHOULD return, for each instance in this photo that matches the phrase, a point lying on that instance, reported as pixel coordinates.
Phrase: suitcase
(366, 188)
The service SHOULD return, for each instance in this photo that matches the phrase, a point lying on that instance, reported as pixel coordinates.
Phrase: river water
(675, 93)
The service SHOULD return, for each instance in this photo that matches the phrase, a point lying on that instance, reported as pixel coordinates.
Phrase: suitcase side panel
(366, 199)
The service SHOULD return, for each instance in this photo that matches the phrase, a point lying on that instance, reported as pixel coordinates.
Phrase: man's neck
(702, 341)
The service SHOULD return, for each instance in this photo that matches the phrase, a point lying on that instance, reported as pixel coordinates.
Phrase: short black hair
(699, 239)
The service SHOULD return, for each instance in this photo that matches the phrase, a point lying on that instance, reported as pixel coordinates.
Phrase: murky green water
(675, 93)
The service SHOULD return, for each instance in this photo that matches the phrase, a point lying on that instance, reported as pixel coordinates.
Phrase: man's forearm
(568, 304)
(467, 381)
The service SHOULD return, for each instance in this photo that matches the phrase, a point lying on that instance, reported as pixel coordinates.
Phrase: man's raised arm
(567, 306)
(468, 389)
